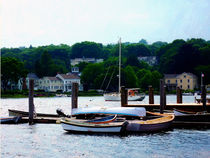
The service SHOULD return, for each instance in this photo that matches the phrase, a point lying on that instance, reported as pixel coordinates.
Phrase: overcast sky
(44, 22)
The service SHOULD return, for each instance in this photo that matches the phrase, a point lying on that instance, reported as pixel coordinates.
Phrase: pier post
(74, 95)
(151, 95)
(31, 101)
(203, 97)
(124, 96)
(179, 95)
(162, 96)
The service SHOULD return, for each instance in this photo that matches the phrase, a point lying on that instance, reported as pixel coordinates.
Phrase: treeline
(179, 56)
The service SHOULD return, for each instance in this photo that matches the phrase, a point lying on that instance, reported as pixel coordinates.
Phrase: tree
(130, 77)
(90, 73)
(143, 41)
(47, 67)
(137, 50)
(132, 61)
(86, 49)
(11, 71)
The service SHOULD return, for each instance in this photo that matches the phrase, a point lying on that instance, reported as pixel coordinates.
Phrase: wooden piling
(179, 95)
(151, 95)
(74, 95)
(203, 96)
(124, 96)
(31, 101)
(162, 97)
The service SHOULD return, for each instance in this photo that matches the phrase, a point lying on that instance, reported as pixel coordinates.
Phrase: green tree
(86, 49)
(137, 50)
(132, 61)
(90, 73)
(130, 77)
(11, 71)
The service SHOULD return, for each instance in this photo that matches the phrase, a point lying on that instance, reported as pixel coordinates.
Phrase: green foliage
(86, 49)
(90, 73)
(46, 66)
(146, 78)
(130, 77)
(137, 50)
(11, 71)
(132, 61)
(143, 41)
(179, 56)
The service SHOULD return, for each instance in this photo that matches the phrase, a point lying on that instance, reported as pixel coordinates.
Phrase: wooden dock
(46, 120)
(183, 106)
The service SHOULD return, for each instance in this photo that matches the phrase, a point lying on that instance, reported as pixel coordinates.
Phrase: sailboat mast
(119, 64)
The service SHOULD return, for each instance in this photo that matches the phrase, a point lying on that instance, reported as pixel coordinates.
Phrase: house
(68, 79)
(87, 60)
(151, 60)
(50, 84)
(61, 82)
(23, 83)
(184, 81)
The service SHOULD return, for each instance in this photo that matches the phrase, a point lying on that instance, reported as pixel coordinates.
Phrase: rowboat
(120, 111)
(10, 120)
(178, 112)
(26, 114)
(192, 119)
(76, 125)
(151, 125)
(103, 119)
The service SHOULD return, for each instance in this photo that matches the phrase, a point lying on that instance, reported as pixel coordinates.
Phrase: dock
(182, 106)
(193, 121)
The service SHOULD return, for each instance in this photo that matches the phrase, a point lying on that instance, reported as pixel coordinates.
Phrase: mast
(119, 64)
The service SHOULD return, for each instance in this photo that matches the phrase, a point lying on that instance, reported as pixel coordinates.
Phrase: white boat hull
(75, 128)
(127, 111)
(117, 97)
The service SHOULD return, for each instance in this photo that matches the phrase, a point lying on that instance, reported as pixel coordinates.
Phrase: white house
(68, 79)
(87, 60)
(151, 60)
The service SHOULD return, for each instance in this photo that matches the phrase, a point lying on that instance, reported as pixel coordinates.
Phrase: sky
(45, 22)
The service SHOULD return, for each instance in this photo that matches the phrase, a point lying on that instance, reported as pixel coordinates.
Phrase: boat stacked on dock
(122, 119)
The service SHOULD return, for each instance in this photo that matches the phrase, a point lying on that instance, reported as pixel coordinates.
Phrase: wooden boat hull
(103, 120)
(26, 114)
(152, 125)
(10, 120)
(78, 126)
(182, 112)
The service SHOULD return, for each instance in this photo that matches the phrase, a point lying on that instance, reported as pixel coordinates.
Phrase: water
(50, 140)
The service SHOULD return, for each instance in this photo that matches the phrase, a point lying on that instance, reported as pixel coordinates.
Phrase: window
(188, 81)
(180, 81)
(181, 86)
(184, 76)
(169, 81)
(188, 86)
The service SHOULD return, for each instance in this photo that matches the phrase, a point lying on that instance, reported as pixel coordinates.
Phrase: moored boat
(25, 114)
(103, 119)
(75, 125)
(10, 120)
(162, 122)
(124, 111)
(117, 96)
(178, 112)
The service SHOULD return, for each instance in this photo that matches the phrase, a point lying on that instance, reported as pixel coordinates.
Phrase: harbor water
(50, 140)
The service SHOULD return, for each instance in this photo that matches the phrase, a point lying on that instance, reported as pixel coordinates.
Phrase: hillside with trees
(179, 56)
